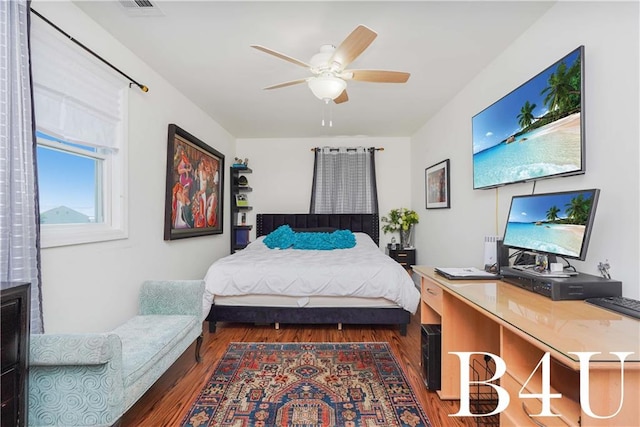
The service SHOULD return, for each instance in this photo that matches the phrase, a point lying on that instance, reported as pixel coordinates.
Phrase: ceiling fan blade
(353, 46)
(285, 84)
(378, 76)
(281, 55)
(343, 97)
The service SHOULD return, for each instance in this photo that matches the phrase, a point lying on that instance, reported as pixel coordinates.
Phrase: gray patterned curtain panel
(344, 181)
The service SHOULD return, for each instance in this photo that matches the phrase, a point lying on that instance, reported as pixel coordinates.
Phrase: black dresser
(15, 313)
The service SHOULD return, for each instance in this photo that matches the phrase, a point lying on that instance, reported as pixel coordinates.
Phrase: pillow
(339, 239)
(282, 238)
(363, 239)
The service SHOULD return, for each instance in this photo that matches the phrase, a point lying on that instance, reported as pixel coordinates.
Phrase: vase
(406, 238)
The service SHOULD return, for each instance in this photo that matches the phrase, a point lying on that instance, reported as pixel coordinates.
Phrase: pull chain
(326, 106)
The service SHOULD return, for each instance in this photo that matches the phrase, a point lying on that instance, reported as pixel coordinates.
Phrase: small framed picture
(242, 200)
(436, 186)
(242, 218)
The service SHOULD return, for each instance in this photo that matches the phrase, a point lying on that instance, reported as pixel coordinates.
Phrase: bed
(360, 285)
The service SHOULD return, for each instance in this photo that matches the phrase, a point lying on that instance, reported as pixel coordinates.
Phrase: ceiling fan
(329, 79)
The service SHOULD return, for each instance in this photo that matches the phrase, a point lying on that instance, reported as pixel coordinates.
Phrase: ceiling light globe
(327, 86)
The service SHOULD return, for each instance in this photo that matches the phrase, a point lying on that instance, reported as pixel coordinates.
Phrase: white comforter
(362, 271)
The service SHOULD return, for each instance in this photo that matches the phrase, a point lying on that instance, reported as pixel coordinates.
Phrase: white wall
(283, 172)
(610, 33)
(94, 287)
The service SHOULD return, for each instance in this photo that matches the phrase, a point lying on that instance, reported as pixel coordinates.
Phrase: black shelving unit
(240, 230)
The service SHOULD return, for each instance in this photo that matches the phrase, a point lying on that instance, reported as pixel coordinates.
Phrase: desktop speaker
(431, 350)
(496, 255)
(491, 253)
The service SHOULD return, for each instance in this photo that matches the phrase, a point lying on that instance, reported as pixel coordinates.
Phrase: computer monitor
(556, 224)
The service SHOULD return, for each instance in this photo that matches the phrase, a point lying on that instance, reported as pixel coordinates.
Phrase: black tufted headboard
(365, 223)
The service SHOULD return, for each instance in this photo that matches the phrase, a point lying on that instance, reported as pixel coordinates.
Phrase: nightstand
(406, 257)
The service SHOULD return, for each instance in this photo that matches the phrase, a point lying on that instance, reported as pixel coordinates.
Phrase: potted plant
(401, 220)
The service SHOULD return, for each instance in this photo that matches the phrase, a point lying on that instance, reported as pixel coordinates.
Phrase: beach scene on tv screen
(549, 223)
(534, 131)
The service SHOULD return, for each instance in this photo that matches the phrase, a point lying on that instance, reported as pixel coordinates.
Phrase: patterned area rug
(307, 385)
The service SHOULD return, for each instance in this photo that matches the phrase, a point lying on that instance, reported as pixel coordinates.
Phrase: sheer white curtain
(19, 218)
(344, 181)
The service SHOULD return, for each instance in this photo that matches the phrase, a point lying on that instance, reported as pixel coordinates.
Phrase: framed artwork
(436, 185)
(194, 191)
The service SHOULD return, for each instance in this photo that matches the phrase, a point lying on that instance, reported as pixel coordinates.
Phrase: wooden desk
(520, 327)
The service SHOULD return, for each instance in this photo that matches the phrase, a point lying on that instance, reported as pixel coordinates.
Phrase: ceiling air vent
(143, 8)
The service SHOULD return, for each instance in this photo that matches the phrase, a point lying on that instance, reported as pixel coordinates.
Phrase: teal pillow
(280, 238)
(284, 237)
(339, 239)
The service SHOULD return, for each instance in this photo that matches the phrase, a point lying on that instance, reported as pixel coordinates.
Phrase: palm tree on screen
(552, 213)
(525, 118)
(578, 209)
(563, 92)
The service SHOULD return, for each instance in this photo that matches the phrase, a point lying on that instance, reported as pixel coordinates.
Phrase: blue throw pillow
(339, 239)
(282, 238)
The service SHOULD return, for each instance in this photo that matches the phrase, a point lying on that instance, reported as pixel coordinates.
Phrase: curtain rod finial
(143, 88)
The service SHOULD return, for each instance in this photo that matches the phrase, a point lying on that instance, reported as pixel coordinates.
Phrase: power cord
(568, 266)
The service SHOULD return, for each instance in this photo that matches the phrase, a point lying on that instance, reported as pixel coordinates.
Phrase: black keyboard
(622, 305)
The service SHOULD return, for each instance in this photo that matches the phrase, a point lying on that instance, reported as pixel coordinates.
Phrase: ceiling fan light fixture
(328, 67)
(327, 86)
(320, 60)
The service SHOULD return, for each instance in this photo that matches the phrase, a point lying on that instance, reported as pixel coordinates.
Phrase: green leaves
(399, 219)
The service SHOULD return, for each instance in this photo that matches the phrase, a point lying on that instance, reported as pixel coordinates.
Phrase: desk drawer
(519, 411)
(432, 295)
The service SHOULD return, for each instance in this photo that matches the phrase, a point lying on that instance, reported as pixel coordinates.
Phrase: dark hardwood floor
(168, 400)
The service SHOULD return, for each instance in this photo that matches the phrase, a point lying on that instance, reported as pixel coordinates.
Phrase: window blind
(75, 97)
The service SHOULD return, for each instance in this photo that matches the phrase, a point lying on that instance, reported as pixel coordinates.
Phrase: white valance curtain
(76, 98)
(344, 181)
(19, 217)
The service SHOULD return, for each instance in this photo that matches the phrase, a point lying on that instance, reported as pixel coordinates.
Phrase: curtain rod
(141, 86)
(350, 149)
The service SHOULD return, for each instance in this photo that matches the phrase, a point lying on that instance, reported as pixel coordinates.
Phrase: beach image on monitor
(535, 131)
(553, 223)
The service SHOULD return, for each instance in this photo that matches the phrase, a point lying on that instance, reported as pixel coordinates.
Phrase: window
(80, 111)
(71, 189)
(344, 181)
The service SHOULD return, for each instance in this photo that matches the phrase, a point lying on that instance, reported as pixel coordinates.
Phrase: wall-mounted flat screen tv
(534, 132)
